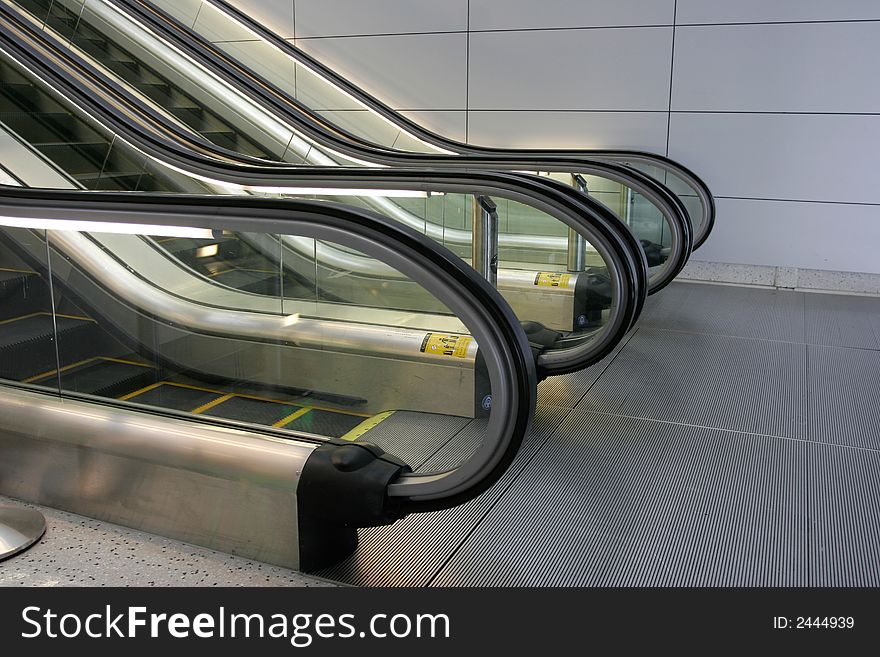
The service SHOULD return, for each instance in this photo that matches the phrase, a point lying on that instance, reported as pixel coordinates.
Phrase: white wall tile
(781, 156)
(601, 69)
(277, 15)
(528, 14)
(639, 130)
(804, 67)
(792, 234)
(758, 11)
(534, 87)
(345, 17)
(448, 124)
(421, 71)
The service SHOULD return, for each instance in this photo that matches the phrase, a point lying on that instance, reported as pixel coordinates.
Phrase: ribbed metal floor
(734, 440)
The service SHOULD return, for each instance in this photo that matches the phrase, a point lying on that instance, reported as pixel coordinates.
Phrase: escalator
(343, 117)
(164, 369)
(189, 95)
(94, 363)
(610, 298)
(163, 414)
(321, 93)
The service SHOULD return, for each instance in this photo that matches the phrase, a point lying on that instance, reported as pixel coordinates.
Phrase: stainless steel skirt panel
(218, 487)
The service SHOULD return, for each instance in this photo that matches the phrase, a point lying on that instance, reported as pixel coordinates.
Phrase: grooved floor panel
(414, 437)
(726, 310)
(844, 396)
(412, 550)
(843, 321)
(567, 390)
(739, 384)
(612, 501)
(845, 516)
(458, 449)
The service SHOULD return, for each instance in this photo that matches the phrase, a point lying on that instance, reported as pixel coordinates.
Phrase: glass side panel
(312, 91)
(110, 315)
(27, 327)
(204, 105)
(678, 187)
(321, 96)
(642, 216)
(533, 245)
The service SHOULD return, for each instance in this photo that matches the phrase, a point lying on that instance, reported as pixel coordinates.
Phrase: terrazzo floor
(79, 551)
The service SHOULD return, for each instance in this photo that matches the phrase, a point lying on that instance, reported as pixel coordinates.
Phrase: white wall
(776, 104)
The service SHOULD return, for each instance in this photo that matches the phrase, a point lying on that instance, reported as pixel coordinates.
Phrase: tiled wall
(775, 104)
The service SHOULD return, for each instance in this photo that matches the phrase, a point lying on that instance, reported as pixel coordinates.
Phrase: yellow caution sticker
(551, 279)
(367, 425)
(446, 344)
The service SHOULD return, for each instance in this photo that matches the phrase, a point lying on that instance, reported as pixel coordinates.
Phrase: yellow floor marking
(290, 418)
(18, 271)
(212, 404)
(126, 362)
(257, 271)
(244, 395)
(29, 315)
(191, 387)
(88, 319)
(366, 426)
(134, 394)
(281, 423)
(17, 319)
(58, 371)
(83, 362)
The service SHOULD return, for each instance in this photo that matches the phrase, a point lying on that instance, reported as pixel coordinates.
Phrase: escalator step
(103, 377)
(325, 423)
(76, 159)
(27, 345)
(21, 293)
(171, 395)
(257, 411)
(46, 126)
(26, 95)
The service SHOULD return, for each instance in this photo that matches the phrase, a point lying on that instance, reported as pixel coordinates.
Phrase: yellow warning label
(446, 344)
(551, 279)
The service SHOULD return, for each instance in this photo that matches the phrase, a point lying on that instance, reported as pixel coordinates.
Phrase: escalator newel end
(343, 486)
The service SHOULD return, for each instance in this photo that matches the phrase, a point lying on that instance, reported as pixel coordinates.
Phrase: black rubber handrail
(699, 187)
(321, 131)
(481, 308)
(619, 248)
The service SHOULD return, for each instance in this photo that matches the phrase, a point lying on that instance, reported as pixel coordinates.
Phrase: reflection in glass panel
(27, 325)
(133, 322)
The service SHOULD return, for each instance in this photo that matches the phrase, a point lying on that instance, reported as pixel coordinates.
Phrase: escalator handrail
(501, 339)
(619, 248)
(289, 110)
(680, 226)
(699, 187)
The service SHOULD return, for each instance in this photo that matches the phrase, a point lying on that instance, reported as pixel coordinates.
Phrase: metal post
(19, 529)
(485, 238)
(627, 212)
(576, 242)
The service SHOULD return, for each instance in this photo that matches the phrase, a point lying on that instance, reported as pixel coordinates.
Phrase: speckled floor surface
(78, 551)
